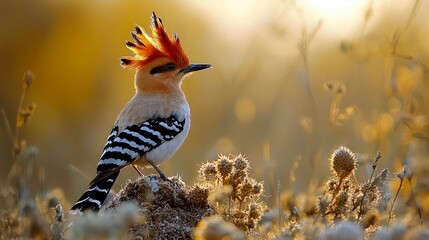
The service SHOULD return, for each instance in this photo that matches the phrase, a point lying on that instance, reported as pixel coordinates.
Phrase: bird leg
(138, 171)
(161, 174)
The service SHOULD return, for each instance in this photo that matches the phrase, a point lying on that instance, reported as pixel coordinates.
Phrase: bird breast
(139, 109)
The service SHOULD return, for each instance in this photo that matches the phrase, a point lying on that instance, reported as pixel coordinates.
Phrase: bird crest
(147, 47)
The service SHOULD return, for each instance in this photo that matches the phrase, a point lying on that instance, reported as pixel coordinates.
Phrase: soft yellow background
(260, 99)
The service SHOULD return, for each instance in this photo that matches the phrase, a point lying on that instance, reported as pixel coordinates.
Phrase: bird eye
(164, 68)
(170, 66)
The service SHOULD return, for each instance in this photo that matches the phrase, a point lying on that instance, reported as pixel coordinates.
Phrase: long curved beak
(194, 67)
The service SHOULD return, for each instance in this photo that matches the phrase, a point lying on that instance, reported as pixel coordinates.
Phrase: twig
(400, 176)
(280, 205)
(334, 109)
(28, 79)
(304, 45)
(7, 125)
(412, 15)
(415, 202)
(72, 168)
(412, 59)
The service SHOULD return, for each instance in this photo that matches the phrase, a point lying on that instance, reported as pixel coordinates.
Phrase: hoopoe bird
(155, 122)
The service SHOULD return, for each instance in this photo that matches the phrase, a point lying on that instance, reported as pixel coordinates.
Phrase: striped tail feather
(94, 197)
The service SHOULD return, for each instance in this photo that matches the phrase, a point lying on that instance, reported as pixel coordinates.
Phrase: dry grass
(225, 204)
(23, 215)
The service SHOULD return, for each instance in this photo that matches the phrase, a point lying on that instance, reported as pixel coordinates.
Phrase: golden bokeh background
(292, 81)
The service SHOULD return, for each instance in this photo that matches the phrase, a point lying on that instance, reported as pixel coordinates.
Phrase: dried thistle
(198, 195)
(255, 211)
(341, 204)
(233, 192)
(207, 171)
(241, 163)
(224, 168)
(323, 206)
(343, 162)
(344, 197)
(370, 183)
(258, 188)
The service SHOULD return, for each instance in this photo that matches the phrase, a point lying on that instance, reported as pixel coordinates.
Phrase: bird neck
(160, 88)
(157, 86)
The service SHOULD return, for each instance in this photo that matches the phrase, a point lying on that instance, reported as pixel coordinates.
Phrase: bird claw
(164, 178)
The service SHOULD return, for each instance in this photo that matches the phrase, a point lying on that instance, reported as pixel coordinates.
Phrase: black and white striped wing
(122, 149)
(136, 140)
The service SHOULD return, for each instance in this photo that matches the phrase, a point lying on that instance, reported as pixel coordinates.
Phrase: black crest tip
(136, 39)
(129, 44)
(154, 20)
(138, 30)
(125, 62)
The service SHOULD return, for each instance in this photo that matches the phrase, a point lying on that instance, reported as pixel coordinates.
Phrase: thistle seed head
(343, 162)
(207, 171)
(241, 163)
(255, 211)
(224, 166)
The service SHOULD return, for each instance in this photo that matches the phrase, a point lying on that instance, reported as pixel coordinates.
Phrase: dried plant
(23, 215)
(234, 194)
(402, 175)
(346, 199)
(111, 224)
(336, 114)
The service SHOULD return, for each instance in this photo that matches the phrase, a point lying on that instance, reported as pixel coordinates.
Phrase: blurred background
(292, 81)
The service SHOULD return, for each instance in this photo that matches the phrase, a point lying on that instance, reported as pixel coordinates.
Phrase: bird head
(157, 58)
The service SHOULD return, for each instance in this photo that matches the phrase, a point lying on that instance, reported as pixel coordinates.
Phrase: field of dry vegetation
(338, 145)
(225, 202)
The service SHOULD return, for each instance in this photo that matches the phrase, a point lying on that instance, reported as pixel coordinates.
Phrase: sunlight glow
(338, 16)
(335, 9)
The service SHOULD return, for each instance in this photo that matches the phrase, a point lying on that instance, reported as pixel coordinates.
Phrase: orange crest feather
(147, 48)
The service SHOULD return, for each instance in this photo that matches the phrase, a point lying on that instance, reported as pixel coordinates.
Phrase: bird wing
(123, 148)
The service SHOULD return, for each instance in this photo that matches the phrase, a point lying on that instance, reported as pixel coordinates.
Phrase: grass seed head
(28, 78)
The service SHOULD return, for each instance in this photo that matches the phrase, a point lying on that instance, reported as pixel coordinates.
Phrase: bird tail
(96, 194)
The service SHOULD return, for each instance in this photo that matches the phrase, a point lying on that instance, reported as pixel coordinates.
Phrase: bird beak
(194, 67)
